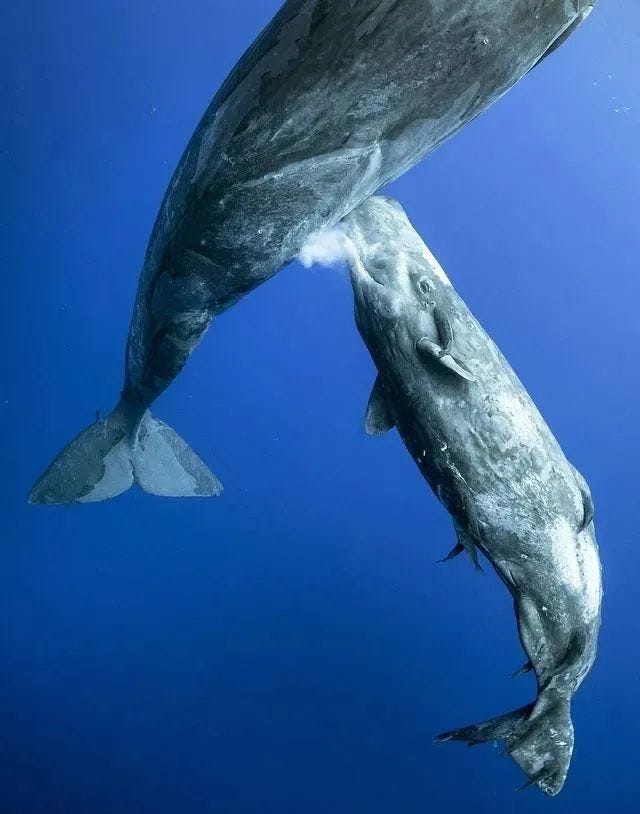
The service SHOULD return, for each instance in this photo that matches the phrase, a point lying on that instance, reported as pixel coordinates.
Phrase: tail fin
(538, 737)
(113, 453)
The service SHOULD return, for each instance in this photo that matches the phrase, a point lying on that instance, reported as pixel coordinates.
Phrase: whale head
(396, 280)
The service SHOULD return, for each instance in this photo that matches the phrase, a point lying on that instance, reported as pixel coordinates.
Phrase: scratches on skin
(373, 20)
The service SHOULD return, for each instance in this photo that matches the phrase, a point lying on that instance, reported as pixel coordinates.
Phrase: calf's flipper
(378, 419)
(429, 350)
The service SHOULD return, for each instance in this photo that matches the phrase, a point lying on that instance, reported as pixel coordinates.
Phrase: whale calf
(492, 461)
(333, 100)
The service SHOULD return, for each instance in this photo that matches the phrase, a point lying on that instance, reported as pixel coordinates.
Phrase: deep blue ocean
(292, 647)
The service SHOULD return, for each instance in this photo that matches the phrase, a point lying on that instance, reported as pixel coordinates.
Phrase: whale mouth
(371, 274)
(363, 272)
(365, 258)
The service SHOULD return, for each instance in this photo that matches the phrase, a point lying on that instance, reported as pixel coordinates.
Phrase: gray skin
(492, 461)
(333, 100)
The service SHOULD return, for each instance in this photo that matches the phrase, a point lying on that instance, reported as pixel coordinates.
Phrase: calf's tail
(126, 447)
(539, 737)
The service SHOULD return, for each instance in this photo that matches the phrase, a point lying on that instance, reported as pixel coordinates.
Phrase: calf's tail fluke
(539, 737)
(126, 447)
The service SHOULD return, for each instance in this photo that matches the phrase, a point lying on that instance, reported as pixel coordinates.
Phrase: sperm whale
(492, 461)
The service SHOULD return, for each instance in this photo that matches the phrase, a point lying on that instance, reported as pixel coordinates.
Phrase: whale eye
(424, 285)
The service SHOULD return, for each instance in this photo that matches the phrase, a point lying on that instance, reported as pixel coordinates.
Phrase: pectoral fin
(445, 331)
(587, 501)
(440, 351)
(378, 419)
(455, 367)
(589, 510)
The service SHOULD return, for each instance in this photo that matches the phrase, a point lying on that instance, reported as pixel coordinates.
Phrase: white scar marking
(564, 549)
(579, 564)
(592, 577)
(524, 430)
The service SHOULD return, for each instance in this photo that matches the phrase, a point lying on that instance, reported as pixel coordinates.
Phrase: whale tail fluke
(165, 465)
(539, 737)
(119, 450)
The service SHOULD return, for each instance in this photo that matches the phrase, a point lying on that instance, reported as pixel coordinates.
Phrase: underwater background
(292, 646)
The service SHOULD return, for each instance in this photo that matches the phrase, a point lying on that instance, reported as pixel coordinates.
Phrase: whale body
(333, 100)
(492, 461)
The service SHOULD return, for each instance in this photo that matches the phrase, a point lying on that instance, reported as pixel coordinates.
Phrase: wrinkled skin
(489, 456)
(333, 100)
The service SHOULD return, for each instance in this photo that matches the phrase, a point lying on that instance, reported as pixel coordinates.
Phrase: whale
(493, 463)
(334, 99)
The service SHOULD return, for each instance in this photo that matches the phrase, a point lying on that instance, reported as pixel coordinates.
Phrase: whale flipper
(587, 500)
(440, 350)
(378, 419)
(589, 509)
(455, 367)
(432, 350)
(117, 451)
(445, 331)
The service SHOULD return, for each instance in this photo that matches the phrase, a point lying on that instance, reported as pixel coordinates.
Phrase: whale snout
(371, 229)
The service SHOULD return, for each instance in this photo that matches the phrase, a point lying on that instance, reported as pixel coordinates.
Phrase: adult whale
(493, 462)
(333, 100)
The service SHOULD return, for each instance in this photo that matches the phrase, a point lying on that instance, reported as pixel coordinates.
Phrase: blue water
(292, 648)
